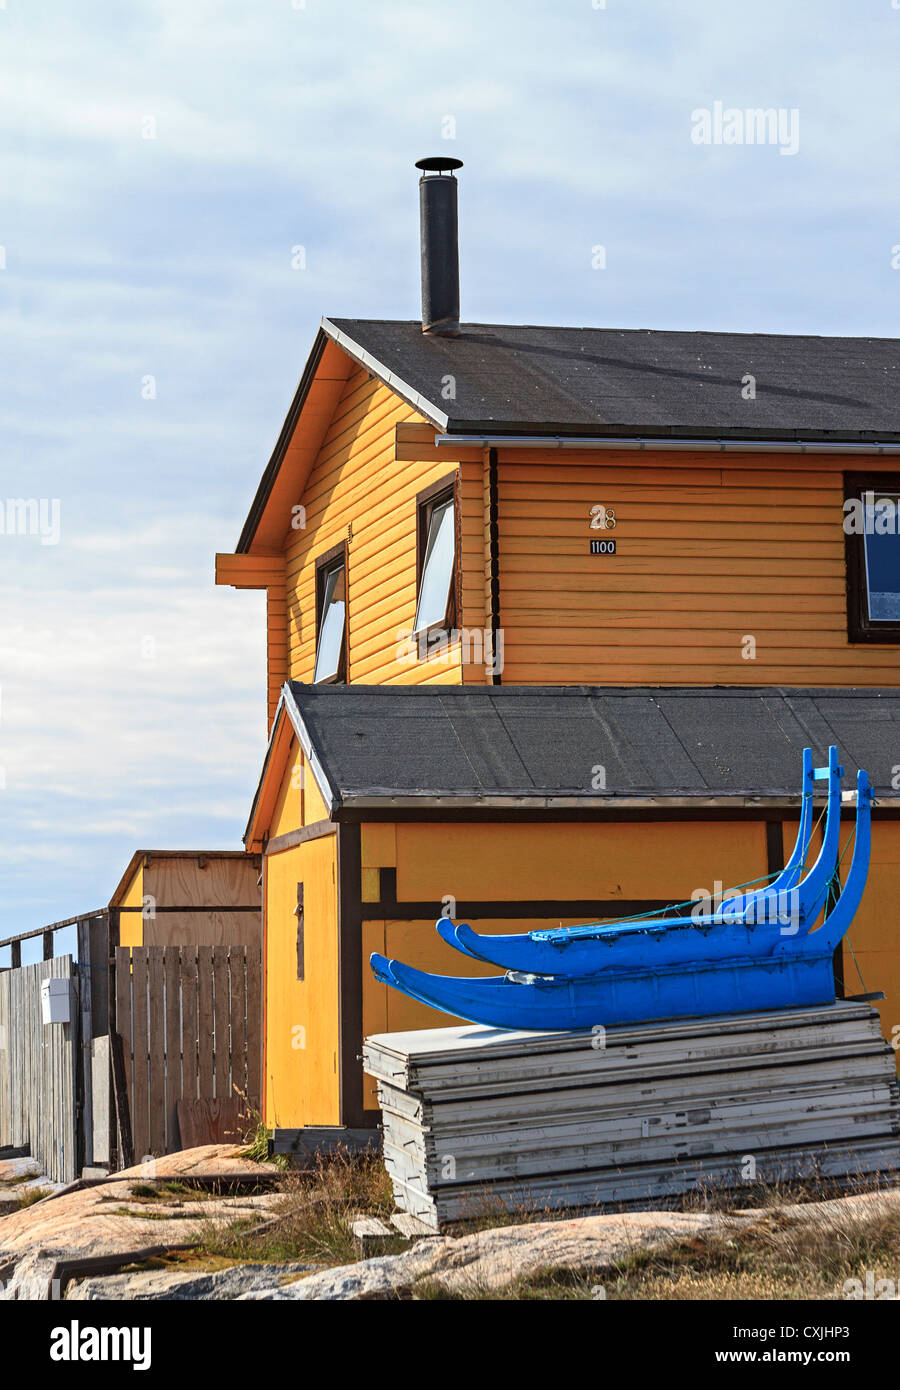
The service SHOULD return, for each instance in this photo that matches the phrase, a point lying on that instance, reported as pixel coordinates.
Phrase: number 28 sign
(602, 519)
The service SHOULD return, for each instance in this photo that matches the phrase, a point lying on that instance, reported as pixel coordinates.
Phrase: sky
(161, 162)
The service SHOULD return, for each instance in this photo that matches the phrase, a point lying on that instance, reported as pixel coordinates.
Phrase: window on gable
(331, 616)
(872, 532)
(436, 569)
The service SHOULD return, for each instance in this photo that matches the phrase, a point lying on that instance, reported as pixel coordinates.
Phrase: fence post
(85, 1138)
(112, 941)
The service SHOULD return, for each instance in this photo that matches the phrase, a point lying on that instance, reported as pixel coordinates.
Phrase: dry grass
(172, 1192)
(774, 1258)
(32, 1195)
(310, 1224)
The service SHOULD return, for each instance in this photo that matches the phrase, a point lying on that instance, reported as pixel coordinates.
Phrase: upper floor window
(331, 616)
(872, 531)
(436, 556)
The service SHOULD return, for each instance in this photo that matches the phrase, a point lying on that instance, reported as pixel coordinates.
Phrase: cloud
(278, 124)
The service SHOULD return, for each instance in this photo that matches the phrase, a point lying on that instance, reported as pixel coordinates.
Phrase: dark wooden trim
(329, 557)
(211, 907)
(324, 564)
(837, 963)
(113, 941)
(494, 552)
(592, 909)
(315, 1140)
(449, 484)
(293, 838)
(301, 935)
(352, 815)
(350, 974)
(428, 494)
(120, 1090)
(859, 626)
(774, 846)
(51, 927)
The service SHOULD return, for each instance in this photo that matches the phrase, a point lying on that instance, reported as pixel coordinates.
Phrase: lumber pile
(478, 1117)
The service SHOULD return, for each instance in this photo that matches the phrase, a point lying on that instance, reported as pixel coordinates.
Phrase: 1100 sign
(603, 547)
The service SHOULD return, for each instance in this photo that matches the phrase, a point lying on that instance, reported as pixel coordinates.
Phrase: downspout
(494, 560)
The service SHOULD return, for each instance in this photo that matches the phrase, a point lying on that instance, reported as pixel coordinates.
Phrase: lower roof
(577, 745)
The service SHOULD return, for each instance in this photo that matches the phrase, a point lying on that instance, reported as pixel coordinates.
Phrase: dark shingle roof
(602, 381)
(537, 742)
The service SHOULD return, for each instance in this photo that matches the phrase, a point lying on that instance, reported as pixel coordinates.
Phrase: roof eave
(651, 801)
(433, 413)
(267, 481)
(287, 709)
(481, 435)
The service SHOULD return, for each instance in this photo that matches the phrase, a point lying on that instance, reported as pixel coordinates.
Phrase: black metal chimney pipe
(440, 245)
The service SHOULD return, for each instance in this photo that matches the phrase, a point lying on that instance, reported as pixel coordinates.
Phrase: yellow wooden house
(551, 613)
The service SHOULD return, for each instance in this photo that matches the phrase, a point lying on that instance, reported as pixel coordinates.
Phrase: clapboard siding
(713, 548)
(277, 646)
(358, 492)
(707, 556)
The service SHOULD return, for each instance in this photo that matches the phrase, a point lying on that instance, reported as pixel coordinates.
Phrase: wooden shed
(189, 898)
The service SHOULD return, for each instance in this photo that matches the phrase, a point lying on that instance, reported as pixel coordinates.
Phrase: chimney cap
(437, 163)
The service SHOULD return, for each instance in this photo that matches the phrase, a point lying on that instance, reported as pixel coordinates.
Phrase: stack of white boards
(476, 1119)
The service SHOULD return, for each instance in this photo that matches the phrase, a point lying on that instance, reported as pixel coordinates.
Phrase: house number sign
(602, 519)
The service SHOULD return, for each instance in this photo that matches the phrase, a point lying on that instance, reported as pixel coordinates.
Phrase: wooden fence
(189, 1020)
(38, 1070)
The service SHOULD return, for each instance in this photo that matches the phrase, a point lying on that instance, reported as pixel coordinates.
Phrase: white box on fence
(55, 1001)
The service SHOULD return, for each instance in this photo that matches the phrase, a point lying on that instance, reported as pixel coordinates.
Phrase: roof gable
(287, 726)
(297, 447)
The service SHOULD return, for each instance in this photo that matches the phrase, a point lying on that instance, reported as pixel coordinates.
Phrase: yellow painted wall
(302, 1017)
(357, 491)
(545, 862)
(131, 924)
(314, 806)
(873, 938)
(288, 812)
(711, 549)
(299, 801)
(875, 934)
(602, 861)
(574, 860)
